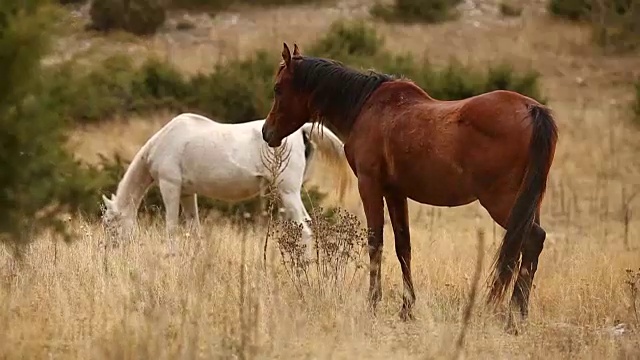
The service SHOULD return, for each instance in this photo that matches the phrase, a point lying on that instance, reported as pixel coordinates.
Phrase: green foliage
(354, 43)
(615, 24)
(37, 176)
(510, 8)
(66, 2)
(217, 5)
(238, 91)
(428, 11)
(584, 9)
(140, 17)
(353, 39)
(241, 90)
(570, 9)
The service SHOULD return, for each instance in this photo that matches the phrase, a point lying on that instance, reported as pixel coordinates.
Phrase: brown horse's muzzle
(269, 137)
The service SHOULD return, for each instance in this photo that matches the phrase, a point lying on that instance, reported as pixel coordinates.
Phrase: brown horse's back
(446, 153)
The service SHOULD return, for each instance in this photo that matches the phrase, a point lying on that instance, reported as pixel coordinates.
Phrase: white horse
(193, 155)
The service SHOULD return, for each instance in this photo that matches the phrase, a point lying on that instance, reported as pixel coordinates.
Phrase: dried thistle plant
(275, 160)
(633, 282)
(339, 253)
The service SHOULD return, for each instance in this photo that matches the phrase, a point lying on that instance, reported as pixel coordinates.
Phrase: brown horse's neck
(337, 93)
(340, 127)
(391, 91)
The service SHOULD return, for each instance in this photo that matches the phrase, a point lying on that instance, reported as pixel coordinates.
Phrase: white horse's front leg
(190, 212)
(296, 211)
(171, 198)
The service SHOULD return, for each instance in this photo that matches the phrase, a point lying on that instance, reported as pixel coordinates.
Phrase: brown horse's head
(290, 109)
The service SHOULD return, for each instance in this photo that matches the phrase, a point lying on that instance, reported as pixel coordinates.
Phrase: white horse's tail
(332, 149)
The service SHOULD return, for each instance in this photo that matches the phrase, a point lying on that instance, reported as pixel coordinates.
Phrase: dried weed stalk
(633, 281)
(466, 318)
(275, 161)
(339, 253)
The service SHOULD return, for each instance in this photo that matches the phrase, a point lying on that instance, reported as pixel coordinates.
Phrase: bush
(615, 24)
(429, 11)
(38, 176)
(358, 45)
(570, 9)
(236, 92)
(241, 90)
(140, 17)
(510, 8)
(216, 5)
(352, 39)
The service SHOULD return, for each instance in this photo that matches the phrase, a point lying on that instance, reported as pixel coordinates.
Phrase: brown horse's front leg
(371, 196)
(399, 214)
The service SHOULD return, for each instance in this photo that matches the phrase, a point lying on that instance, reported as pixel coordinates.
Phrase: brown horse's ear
(286, 54)
(296, 50)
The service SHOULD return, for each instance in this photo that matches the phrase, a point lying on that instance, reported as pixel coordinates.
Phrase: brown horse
(401, 143)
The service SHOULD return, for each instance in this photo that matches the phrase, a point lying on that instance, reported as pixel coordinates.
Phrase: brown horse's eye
(276, 90)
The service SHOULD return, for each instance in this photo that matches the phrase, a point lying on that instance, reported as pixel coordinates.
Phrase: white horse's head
(115, 221)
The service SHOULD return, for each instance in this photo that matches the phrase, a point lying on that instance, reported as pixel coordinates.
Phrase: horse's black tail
(544, 136)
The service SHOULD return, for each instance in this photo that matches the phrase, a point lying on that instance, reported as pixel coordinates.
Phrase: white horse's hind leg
(296, 211)
(171, 198)
(190, 210)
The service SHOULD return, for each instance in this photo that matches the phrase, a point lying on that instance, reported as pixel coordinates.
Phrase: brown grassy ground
(64, 303)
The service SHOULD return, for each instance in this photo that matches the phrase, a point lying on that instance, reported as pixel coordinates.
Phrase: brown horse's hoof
(515, 327)
(511, 329)
(406, 315)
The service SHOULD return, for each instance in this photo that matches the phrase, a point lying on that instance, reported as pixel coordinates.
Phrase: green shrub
(235, 92)
(116, 87)
(615, 24)
(66, 2)
(217, 5)
(140, 17)
(583, 9)
(241, 90)
(429, 11)
(358, 45)
(348, 39)
(570, 9)
(510, 8)
(37, 174)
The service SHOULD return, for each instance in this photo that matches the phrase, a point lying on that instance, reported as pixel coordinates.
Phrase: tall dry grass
(82, 301)
(214, 300)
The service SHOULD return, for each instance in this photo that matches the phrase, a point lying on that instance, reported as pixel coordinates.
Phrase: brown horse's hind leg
(373, 204)
(399, 214)
(499, 207)
(530, 254)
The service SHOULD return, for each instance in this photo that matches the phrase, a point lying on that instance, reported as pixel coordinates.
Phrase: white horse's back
(214, 159)
(193, 154)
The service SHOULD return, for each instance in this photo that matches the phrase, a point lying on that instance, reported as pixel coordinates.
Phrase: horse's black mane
(336, 91)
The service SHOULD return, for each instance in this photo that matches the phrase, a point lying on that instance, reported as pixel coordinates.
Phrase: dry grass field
(215, 300)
